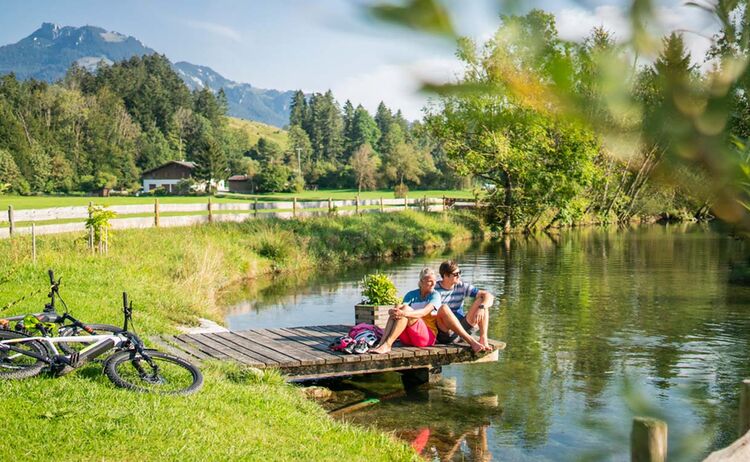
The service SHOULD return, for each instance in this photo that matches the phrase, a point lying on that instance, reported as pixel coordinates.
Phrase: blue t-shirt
(454, 297)
(414, 299)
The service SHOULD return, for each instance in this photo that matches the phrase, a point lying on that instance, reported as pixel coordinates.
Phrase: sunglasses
(456, 274)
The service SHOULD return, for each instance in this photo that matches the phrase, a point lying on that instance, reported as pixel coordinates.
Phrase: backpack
(360, 339)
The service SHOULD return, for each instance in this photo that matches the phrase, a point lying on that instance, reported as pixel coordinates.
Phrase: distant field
(340, 194)
(39, 202)
(256, 130)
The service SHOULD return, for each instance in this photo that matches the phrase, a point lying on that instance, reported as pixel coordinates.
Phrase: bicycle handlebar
(51, 277)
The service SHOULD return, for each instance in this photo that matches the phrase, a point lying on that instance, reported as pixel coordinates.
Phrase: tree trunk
(507, 203)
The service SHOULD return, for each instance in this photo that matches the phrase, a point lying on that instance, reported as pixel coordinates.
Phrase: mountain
(47, 54)
(244, 100)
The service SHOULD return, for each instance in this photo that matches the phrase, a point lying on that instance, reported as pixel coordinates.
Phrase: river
(601, 324)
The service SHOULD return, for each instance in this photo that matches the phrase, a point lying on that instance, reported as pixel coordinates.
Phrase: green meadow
(173, 277)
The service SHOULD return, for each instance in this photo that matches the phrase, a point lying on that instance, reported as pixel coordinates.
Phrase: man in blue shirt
(452, 292)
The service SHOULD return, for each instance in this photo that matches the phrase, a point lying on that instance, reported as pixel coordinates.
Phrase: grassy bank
(172, 276)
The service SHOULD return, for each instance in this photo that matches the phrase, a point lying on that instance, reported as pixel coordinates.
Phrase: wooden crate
(372, 314)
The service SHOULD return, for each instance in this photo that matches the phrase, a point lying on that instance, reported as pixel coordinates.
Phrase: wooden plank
(251, 355)
(205, 350)
(252, 345)
(165, 345)
(319, 342)
(274, 348)
(229, 353)
(313, 345)
(306, 356)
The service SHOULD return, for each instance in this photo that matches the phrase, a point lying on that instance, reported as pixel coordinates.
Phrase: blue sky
(317, 44)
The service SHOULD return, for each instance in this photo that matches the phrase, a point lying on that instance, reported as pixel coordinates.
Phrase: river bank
(173, 276)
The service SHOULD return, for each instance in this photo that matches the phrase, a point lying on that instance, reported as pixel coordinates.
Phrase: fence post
(33, 243)
(294, 206)
(356, 205)
(745, 407)
(106, 241)
(648, 440)
(330, 205)
(91, 231)
(156, 212)
(426, 207)
(381, 205)
(406, 202)
(11, 223)
(255, 207)
(210, 211)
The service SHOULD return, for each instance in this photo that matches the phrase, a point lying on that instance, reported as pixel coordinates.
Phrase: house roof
(190, 165)
(237, 178)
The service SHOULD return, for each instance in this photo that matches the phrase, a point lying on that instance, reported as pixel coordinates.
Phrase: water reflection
(584, 313)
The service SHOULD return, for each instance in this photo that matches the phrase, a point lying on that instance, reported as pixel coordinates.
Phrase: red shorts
(417, 335)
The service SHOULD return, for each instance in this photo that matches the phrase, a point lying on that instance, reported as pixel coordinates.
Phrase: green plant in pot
(379, 295)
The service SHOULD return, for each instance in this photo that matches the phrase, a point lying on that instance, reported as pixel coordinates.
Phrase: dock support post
(745, 407)
(648, 440)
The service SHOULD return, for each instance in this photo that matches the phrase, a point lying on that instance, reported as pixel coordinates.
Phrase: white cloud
(398, 86)
(216, 29)
(695, 24)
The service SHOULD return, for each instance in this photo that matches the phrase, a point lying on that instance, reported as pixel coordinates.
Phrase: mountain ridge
(48, 52)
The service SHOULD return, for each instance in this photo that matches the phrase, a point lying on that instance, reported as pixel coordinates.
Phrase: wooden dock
(301, 353)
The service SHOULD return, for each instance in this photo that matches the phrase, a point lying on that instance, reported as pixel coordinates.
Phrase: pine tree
(298, 111)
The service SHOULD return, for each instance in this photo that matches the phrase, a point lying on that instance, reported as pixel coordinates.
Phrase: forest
(502, 129)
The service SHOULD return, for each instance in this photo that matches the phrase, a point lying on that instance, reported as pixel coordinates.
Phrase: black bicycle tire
(114, 361)
(96, 327)
(28, 371)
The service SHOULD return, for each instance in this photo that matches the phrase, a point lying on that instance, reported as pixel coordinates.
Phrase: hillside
(48, 53)
(256, 130)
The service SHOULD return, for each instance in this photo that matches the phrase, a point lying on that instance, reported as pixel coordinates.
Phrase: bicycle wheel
(74, 331)
(172, 375)
(15, 365)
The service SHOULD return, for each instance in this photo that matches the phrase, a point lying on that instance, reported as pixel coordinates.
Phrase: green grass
(341, 194)
(40, 202)
(173, 277)
(256, 130)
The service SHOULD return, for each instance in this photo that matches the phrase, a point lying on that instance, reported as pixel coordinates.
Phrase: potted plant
(379, 295)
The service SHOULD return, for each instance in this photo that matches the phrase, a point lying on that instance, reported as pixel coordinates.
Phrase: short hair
(448, 267)
(426, 272)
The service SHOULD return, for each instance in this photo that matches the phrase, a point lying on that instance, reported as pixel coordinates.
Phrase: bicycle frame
(99, 344)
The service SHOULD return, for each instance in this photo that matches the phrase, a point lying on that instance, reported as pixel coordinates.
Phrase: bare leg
(393, 329)
(447, 321)
(483, 324)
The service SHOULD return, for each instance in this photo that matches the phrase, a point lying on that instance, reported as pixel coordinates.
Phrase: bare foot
(476, 346)
(485, 343)
(382, 349)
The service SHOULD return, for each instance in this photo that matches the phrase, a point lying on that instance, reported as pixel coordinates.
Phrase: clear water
(601, 325)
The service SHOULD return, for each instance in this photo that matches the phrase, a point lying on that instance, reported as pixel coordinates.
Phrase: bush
(378, 289)
(400, 191)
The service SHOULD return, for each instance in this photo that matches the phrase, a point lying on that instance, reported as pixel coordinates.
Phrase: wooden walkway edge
(301, 353)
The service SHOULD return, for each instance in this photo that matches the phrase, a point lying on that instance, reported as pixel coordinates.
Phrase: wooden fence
(158, 214)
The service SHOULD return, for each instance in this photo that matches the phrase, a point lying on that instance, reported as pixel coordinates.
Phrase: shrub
(378, 289)
(400, 191)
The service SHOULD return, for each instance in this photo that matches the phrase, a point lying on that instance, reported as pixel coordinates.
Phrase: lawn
(173, 277)
(40, 202)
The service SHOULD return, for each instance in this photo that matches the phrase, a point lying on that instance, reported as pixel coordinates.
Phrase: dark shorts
(450, 337)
